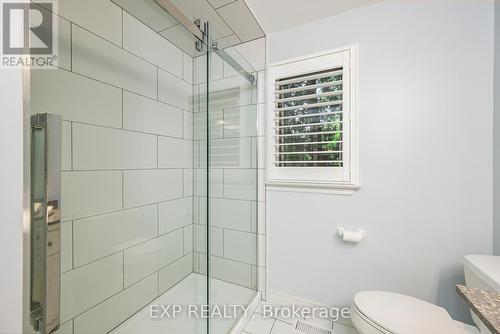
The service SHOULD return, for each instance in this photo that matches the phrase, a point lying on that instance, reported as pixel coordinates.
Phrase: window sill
(346, 189)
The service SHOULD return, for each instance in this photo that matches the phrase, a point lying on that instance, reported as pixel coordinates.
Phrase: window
(312, 122)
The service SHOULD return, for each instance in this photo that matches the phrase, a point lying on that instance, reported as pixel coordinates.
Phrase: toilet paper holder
(351, 236)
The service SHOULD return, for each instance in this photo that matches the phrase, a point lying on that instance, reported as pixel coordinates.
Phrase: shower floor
(191, 290)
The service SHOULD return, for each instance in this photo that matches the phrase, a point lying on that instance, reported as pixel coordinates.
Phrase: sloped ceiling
(274, 15)
(231, 21)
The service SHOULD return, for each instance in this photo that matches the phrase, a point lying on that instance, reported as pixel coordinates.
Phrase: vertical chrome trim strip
(27, 328)
(53, 284)
(45, 222)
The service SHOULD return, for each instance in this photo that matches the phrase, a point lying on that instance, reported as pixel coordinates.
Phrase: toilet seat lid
(403, 314)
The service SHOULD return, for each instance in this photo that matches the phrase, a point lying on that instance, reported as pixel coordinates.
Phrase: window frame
(335, 180)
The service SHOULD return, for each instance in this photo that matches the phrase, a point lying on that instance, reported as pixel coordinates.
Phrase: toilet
(376, 312)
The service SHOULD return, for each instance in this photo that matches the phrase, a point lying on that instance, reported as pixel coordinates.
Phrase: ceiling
(231, 21)
(274, 15)
(234, 22)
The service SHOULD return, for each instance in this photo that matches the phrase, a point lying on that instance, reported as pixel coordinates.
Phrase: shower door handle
(45, 246)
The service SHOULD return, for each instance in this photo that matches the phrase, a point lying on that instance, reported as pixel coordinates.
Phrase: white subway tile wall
(142, 187)
(66, 163)
(146, 43)
(149, 116)
(151, 256)
(96, 237)
(90, 193)
(76, 98)
(66, 246)
(105, 316)
(125, 95)
(96, 58)
(175, 272)
(98, 148)
(134, 158)
(87, 286)
(175, 214)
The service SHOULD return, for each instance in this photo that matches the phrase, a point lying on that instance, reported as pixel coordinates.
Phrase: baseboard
(294, 300)
(240, 324)
(298, 300)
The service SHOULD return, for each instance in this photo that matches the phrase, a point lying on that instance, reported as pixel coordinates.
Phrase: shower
(153, 117)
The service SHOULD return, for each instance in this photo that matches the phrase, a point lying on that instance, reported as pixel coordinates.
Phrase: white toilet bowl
(376, 312)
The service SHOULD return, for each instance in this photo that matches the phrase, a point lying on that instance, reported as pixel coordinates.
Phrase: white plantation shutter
(310, 124)
(308, 120)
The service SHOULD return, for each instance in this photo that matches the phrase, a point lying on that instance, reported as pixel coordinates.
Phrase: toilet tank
(482, 272)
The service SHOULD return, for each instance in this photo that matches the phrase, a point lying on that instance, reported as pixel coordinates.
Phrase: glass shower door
(158, 173)
(232, 199)
(127, 95)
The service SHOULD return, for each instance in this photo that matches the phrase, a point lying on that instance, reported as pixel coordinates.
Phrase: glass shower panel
(232, 202)
(159, 172)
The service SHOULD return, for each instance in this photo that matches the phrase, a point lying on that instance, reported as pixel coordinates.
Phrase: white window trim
(338, 188)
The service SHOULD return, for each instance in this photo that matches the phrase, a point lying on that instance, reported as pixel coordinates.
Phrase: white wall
(425, 150)
(496, 136)
(11, 201)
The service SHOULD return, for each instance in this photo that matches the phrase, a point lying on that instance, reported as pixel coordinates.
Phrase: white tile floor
(192, 290)
(258, 324)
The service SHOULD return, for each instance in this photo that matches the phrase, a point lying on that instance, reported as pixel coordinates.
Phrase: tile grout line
(122, 27)
(123, 107)
(147, 169)
(183, 125)
(135, 131)
(182, 65)
(145, 60)
(149, 97)
(110, 297)
(123, 190)
(223, 20)
(125, 249)
(71, 145)
(71, 46)
(228, 259)
(78, 74)
(156, 32)
(227, 4)
(125, 50)
(123, 270)
(123, 210)
(183, 185)
(72, 245)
